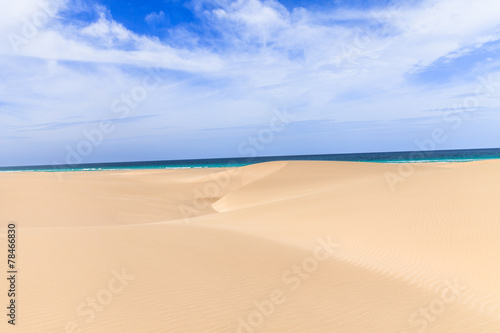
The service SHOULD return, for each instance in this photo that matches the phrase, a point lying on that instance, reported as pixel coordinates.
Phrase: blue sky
(109, 80)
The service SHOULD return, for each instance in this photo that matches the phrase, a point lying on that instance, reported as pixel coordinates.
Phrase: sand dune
(273, 247)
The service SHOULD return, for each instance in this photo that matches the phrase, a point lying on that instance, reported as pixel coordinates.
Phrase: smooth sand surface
(274, 247)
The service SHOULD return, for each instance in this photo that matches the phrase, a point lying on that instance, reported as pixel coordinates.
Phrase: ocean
(462, 155)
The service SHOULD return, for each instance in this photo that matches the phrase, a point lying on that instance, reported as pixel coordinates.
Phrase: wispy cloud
(241, 59)
(154, 17)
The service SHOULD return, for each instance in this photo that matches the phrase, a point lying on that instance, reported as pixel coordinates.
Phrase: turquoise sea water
(464, 155)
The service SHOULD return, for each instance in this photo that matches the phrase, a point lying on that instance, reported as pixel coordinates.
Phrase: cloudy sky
(117, 80)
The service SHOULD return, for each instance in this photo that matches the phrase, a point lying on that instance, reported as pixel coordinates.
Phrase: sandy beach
(273, 247)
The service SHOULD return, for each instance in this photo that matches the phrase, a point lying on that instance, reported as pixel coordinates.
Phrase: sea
(443, 156)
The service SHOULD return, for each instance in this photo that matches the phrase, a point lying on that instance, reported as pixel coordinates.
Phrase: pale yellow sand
(246, 249)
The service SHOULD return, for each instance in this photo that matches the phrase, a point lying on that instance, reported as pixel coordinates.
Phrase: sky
(138, 80)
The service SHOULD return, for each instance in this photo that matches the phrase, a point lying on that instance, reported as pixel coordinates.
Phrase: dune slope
(273, 247)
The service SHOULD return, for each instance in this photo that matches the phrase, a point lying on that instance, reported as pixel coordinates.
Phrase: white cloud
(265, 56)
(154, 17)
(107, 30)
